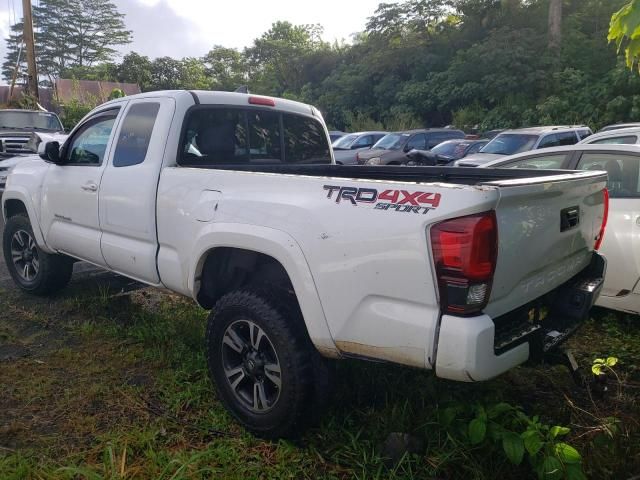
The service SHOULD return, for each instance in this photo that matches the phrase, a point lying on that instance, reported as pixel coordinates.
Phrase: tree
(555, 24)
(278, 55)
(226, 67)
(170, 74)
(72, 34)
(625, 31)
(136, 68)
(15, 49)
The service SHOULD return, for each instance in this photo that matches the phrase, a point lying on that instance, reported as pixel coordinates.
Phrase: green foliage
(479, 64)
(506, 429)
(625, 31)
(600, 364)
(360, 122)
(69, 34)
(73, 111)
(116, 93)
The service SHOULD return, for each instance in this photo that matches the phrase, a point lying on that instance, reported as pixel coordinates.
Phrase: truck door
(70, 191)
(128, 189)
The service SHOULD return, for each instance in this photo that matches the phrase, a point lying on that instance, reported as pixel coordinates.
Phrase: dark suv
(392, 149)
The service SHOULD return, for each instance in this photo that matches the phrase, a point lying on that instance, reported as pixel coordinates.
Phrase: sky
(181, 28)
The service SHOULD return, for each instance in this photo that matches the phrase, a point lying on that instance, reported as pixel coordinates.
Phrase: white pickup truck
(235, 200)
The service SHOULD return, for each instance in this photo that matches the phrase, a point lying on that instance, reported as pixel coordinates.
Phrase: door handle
(90, 187)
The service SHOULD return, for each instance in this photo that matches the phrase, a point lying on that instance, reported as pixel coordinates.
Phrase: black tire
(303, 374)
(53, 271)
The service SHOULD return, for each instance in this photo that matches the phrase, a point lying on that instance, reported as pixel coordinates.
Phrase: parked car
(618, 126)
(21, 132)
(520, 140)
(445, 152)
(489, 134)
(392, 149)
(346, 148)
(621, 244)
(7, 162)
(301, 259)
(335, 135)
(624, 136)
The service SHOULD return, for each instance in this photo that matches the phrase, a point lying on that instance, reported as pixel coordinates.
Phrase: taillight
(267, 102)
(605, 217)
(465, 250)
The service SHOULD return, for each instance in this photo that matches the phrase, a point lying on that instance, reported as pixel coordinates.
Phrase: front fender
(284, 249)
(20, 193)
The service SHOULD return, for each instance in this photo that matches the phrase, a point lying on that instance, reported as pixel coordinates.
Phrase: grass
(125, 394)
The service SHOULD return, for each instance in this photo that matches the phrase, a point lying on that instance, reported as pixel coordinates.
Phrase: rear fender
(284, 249)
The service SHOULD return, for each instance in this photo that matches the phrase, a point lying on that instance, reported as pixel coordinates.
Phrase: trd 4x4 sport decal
(396, 200)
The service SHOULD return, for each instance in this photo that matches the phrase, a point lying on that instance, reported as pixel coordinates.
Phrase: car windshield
(30, 121)
(392, 141)
(448, 149)
(510, 143)
(345, 142)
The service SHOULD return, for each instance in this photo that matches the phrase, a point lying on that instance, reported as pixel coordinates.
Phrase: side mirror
(51, 152)
(407, 149)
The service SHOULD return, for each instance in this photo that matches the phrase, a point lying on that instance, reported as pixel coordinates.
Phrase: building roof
(88, 91)
(46, 95)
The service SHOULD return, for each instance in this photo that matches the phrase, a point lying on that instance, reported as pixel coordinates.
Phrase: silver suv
(521, 140)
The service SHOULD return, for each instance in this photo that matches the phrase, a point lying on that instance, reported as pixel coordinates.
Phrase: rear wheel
(263, 364)
(33, 270)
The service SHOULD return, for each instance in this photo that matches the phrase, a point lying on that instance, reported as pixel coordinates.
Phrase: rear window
(304, 140)
(625, 140)
(222, 136)
(623, 171)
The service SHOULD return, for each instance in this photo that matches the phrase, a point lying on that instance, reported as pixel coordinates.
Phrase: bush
(73, 111)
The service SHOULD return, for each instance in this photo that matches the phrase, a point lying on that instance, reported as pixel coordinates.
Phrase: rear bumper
(479, 348)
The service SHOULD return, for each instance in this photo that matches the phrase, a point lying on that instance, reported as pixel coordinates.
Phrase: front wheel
(265, 368)
(33, 270)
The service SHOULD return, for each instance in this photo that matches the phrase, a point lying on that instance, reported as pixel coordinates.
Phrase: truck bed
(457, 175)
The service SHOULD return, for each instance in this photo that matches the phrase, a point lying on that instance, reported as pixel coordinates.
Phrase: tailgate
(547, 228)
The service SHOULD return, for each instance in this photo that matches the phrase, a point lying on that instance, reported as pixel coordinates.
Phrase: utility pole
(29, 42)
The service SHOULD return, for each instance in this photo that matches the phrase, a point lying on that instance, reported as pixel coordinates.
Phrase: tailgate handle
(569, 218)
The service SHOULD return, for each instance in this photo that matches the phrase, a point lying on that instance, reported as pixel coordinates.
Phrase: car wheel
(264, 366)
(33, 270)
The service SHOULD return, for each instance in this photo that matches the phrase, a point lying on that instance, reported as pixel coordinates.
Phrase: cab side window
(89, 143)
(419, 142)
(135, 134)
(549, 141)
(567, 138)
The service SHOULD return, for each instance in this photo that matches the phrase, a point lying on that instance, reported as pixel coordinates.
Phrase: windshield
(344, 142)
(30, 121)
(392, 141)
(510, 143)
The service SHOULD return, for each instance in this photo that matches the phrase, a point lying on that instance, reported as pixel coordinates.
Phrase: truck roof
(207, 97)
